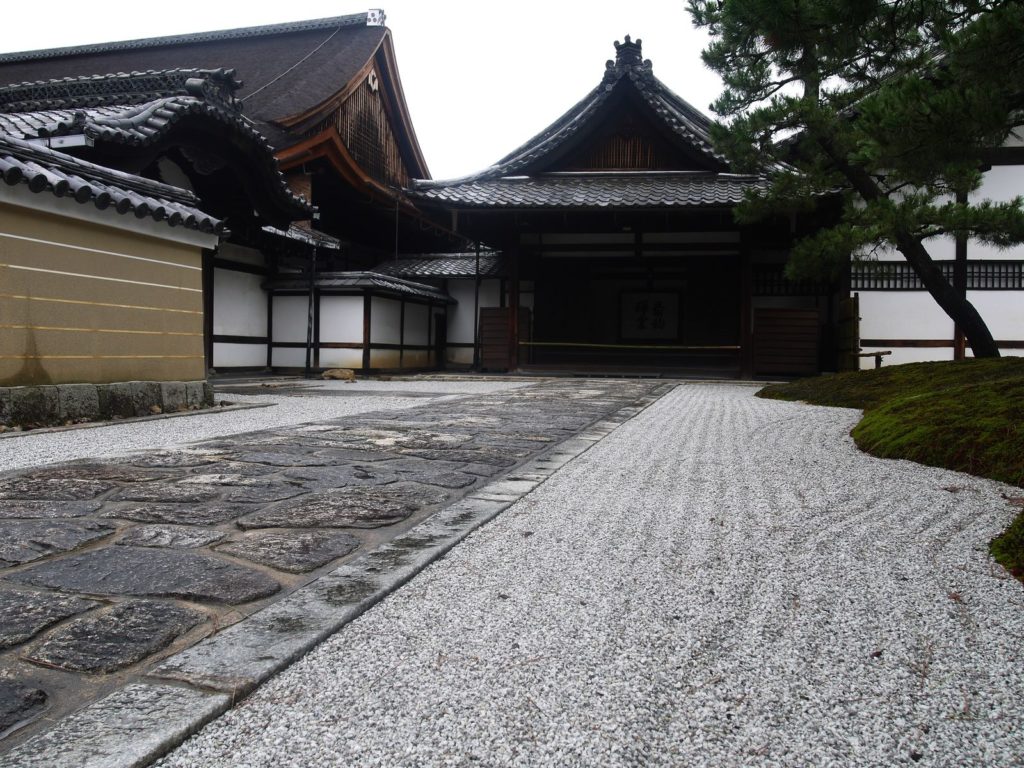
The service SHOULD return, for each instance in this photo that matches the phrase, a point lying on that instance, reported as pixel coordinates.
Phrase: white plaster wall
(460, 316)
(461, 328)
(291, 315)
(239, 355)
(1000, 184)
(942, 247)
(416, 323)
(385, 321)
(459, 356)
(341, 358)
(902, 315)
(341, 320)
(1003, 312)
(239, 304)
(290, 357)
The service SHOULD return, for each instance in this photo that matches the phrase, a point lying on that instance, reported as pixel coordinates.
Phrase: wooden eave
(394, 104)
(327, 145)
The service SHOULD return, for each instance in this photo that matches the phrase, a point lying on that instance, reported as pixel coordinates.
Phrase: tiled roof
(306, 236)
(365, 281)
(43, 170)
(683, 189)
(628, 70)
(287, 68)
(88, 107)
(119, 89)
(445, 266)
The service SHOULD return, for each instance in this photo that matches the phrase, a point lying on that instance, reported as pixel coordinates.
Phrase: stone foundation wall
(56, 405)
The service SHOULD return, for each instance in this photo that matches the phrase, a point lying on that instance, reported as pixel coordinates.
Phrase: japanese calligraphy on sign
(649, 316)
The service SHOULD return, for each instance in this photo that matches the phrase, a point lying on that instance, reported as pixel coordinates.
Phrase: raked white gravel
(722, 581)
(30, 449)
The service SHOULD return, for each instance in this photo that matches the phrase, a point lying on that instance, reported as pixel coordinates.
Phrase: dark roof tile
(445, 266)
(372, 281)
(683, 189)
(87, 106)
(43, 170)
(287, 68)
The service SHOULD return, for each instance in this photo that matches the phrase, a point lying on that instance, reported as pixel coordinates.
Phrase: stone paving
(110, 568)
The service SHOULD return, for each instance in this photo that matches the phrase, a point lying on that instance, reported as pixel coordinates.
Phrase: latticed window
(899, 276)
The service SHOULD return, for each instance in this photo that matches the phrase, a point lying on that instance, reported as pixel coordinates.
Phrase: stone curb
(140, 723)
(132, 420)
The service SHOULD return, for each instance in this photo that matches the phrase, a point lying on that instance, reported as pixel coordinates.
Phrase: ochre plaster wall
(81, 302)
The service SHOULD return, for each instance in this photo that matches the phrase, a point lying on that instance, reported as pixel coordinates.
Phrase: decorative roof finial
(628, 53)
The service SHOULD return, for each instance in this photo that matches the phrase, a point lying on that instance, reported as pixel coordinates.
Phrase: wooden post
(476, 313)
(960, 285)
(270, 330)
(401, 333)
(207, 281)
(514, 312)
(746, 294)
(366, 331)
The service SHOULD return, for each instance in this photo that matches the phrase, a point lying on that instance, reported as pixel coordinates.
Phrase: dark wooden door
(786, 342)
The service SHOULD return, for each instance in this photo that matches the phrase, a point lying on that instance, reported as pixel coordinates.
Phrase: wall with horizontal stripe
(909, 322)
(82, 302)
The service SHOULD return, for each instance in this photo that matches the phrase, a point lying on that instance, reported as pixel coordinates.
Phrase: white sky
(480, 77)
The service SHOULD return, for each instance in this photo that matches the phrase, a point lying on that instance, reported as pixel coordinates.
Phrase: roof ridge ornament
(628, 53)
(628, 60)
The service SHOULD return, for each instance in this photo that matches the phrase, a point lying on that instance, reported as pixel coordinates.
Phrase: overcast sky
(480, 77)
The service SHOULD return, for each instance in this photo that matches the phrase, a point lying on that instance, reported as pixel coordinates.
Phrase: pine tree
(891, 105)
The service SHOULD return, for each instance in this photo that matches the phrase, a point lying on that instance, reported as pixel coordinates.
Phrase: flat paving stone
(39, 486)
(22, 541)
(130, 727)
(344, 475)
(181, 514)
(466, 456)
(115, 638)
(24, 614)
(121, 473)
(169, 492)
(153, 573)
(19, 703)
(170, 537)
(263, 494)
(440, 479)
(283, 458)
(357, 507)
(173, 460)
(292, 551)
(46, 509)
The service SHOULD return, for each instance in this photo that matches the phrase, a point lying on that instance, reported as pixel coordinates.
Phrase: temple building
(285, 157)
(617, 226)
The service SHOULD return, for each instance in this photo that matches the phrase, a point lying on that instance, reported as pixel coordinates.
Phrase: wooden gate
(498, 352)
(848, 347)
(786, 342)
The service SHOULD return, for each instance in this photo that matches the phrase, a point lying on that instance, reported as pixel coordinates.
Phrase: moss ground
(967, 416)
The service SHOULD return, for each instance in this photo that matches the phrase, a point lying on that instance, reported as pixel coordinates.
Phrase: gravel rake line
(696, 589)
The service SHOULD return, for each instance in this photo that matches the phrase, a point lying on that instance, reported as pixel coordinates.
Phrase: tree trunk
(959, 309)
(946, 296)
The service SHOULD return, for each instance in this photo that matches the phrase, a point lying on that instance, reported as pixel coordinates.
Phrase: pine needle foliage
(888, 106)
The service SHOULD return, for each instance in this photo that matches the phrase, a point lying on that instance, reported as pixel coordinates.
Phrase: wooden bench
(877, 355)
